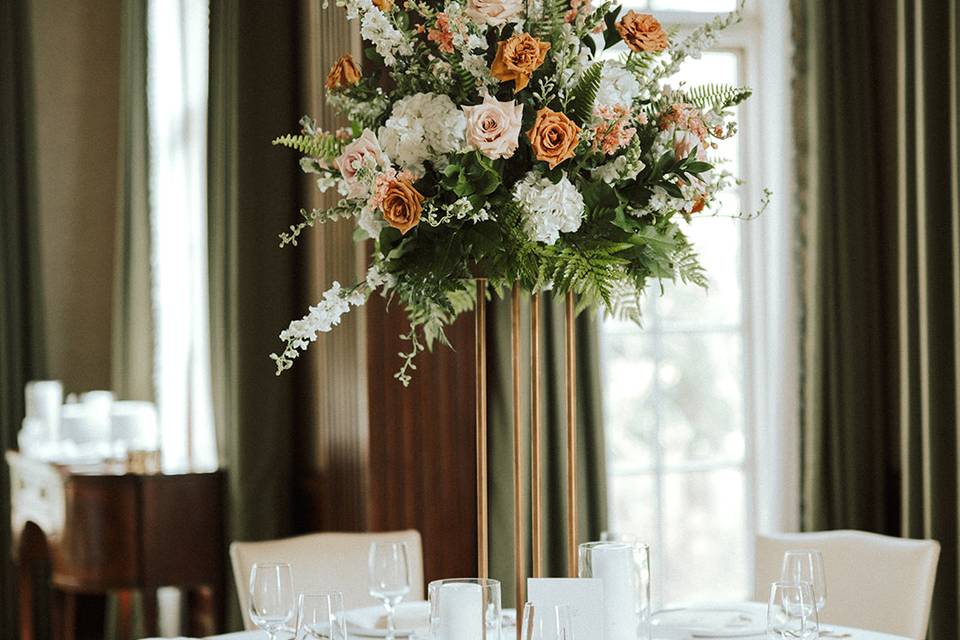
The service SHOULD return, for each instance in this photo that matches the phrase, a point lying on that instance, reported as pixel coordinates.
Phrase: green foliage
(319, 145)
(585, 93)
(717, 96)
(592, 273)
(551, 19)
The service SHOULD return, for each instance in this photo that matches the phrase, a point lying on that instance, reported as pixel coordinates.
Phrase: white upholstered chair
(873, 582)
(325, 562)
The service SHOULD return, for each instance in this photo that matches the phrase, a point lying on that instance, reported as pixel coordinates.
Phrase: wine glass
(792, 612)
(320, 617)
(806, 565)
(272, 603)
(389, 577)
(542, 626)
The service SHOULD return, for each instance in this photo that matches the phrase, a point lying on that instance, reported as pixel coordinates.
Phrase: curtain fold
(254, 190)
(878, 116)
(591, 470)
(133, 318)
(21, 328)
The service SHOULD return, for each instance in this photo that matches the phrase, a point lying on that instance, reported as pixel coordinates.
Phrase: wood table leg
(202, 611)
(25, 587)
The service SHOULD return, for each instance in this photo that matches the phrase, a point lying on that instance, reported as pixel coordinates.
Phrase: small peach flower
(517, 58)
(494, 13)
(384, 5)
(553, 137)
(344, 73)
(442, 34)
(611, 133)
(642, 32)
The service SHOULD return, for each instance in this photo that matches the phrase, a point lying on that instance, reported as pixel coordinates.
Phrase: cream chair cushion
(325, 562)
(873, 582)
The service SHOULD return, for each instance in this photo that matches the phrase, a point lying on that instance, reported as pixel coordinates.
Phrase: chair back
(325, 562)
(873, 582)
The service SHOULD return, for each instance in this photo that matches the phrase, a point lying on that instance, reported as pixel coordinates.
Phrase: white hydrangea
(551, 208)
(618, 85)
(389, 41)
(424, 126)
(371, 222)
(323, 317)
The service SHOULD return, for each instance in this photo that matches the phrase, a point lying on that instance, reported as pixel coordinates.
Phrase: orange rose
(384, 5)
(642, 32)
(517, 58)
(401, 205)
(344, 73)
(553, 137)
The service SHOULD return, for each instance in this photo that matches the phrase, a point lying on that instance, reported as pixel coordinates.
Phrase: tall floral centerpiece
(533, 142)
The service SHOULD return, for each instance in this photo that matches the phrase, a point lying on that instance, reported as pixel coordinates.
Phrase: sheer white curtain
(177, 94)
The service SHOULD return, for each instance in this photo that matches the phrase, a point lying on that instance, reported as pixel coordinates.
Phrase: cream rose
(494, 12)
(357, 154)
(493, 127)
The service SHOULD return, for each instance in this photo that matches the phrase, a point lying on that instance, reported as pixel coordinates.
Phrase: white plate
(371, 622)
(711, 621)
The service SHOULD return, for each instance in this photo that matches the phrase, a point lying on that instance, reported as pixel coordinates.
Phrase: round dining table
(828, 632)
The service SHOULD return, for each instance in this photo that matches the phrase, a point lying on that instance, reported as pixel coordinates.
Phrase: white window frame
(769, 325)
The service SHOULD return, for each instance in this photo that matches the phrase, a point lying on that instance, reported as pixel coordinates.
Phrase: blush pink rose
(493, 127)
(354, 156)
(494, 12)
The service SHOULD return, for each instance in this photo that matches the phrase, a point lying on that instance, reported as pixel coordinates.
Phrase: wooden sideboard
(105, 530)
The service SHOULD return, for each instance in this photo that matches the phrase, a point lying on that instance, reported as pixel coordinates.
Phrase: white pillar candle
(43, 401)
(461, 611)
(614, 565)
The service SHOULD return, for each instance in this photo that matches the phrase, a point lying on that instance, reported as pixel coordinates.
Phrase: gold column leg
(519, 535)
(480, 329)
(571, 391)
(535, 453)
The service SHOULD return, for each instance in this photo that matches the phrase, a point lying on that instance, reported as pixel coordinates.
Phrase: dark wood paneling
(422, 451)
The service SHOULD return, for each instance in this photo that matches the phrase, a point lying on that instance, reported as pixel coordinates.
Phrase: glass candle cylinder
(465, 609)
(624, 570)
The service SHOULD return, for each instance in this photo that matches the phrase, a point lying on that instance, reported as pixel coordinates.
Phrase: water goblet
(806, 565)
(320, 617)
(272, 604)
(389, 577)
(792, 612)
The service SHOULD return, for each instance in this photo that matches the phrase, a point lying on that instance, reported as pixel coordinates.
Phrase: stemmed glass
(791, 612)
(542, 626)
(806, 566)
(389, 577)
(272, 603)
(320, 617)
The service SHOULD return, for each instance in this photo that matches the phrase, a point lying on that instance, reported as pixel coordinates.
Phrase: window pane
(705, 540)
(716, 6)
(628, 410)
(634, 500)
(684, 306)
(701, 396)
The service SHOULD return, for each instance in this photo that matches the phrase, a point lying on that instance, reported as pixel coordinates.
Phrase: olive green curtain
(877, 122)
(21, 330)
(132, 331)
(254, 191)
(591, 476)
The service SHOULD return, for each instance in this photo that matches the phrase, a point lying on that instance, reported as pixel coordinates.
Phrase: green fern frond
(717, 96)
(322, 145)
(687, 266)
(585, 93)
(550, 21)
(591, 273)
(625, 302)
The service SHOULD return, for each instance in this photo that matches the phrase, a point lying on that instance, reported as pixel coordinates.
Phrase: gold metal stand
(480, 330)
(536, 492)
(519, 535)
(570, 357)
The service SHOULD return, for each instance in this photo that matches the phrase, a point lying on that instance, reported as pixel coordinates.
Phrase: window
(177, 99)
(683, 398)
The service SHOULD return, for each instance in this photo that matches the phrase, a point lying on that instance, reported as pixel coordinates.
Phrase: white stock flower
(387, 39)
(424, 126)
(618, 85)
(551, 208)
